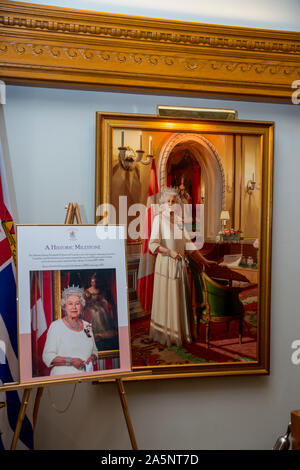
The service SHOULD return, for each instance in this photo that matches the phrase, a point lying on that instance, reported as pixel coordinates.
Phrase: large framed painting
(195, 196)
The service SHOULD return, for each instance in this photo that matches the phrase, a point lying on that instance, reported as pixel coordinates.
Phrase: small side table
(250, 273)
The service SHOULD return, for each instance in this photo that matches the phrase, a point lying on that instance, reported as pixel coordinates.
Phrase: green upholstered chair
(221, 304)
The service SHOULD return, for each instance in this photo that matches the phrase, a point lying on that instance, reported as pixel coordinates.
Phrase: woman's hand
(92, 358)
(77, 362)
(200, 259)
(209, 262)
(174, 254)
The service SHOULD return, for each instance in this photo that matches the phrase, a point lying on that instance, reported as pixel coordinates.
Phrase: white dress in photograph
(62, 341)
(171, 306)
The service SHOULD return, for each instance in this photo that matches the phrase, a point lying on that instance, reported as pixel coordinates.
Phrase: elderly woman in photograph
(70, 346)
(171, 306)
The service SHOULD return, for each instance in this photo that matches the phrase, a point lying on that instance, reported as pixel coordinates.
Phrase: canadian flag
(145, 277)
(41, 316)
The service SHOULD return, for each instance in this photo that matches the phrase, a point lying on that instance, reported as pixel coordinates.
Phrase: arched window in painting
(184, 173)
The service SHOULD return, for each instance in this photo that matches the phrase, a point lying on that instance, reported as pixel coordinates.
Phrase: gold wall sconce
(128, 157)
(251, 185)
(202, 196)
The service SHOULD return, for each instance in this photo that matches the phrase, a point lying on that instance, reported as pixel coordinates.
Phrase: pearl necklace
(73, 327)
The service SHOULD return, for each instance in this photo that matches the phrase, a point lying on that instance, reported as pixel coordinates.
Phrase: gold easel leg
(124, 403)
(22, 412)
(77, 213)
(73, 213)
(38, 397)
(70, 213)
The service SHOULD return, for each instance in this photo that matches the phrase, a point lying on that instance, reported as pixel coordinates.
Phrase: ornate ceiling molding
(58, 47)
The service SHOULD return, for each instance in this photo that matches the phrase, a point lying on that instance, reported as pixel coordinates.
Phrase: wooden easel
(72, 213)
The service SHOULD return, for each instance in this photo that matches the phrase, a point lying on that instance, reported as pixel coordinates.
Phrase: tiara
(72, 290)
(170, 190)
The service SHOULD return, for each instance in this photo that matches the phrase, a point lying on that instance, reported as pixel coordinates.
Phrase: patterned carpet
(224, 345)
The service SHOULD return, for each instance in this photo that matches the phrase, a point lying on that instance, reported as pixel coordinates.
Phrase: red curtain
(196, 187)
(65, 280)
(113, 288)
(41, 311)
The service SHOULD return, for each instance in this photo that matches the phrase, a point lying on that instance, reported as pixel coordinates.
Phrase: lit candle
(150, 145)
(202, 192)
(141, 141)
(122, 138)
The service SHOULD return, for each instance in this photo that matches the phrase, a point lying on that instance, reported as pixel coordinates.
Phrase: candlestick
(122, 138)
(150, 145)
(141, 141)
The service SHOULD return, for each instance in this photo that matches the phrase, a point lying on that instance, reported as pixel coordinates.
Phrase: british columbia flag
(8, 328)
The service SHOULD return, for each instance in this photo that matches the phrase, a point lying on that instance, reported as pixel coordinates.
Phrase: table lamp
(224, 217)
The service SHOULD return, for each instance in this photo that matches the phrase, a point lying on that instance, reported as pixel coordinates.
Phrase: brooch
(87, 330)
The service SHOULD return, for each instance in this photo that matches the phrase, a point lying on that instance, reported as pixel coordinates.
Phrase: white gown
(62, 341)
(171, 306)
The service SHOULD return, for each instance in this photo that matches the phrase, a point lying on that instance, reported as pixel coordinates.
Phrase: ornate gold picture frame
(230, 164)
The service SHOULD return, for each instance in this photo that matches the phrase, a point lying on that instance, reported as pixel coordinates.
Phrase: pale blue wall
(51, 135)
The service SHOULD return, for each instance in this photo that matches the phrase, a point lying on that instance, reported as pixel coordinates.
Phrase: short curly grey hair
(72, 290)
(170, 191)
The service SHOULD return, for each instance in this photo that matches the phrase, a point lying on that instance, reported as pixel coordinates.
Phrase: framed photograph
(72, 302)
(200, 308)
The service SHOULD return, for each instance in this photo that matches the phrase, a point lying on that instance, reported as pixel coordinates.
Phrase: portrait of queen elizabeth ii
(70, 345)
(171, 305)
(69, 316)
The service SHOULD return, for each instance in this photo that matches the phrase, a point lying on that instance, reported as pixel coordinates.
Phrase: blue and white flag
(8, 328)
